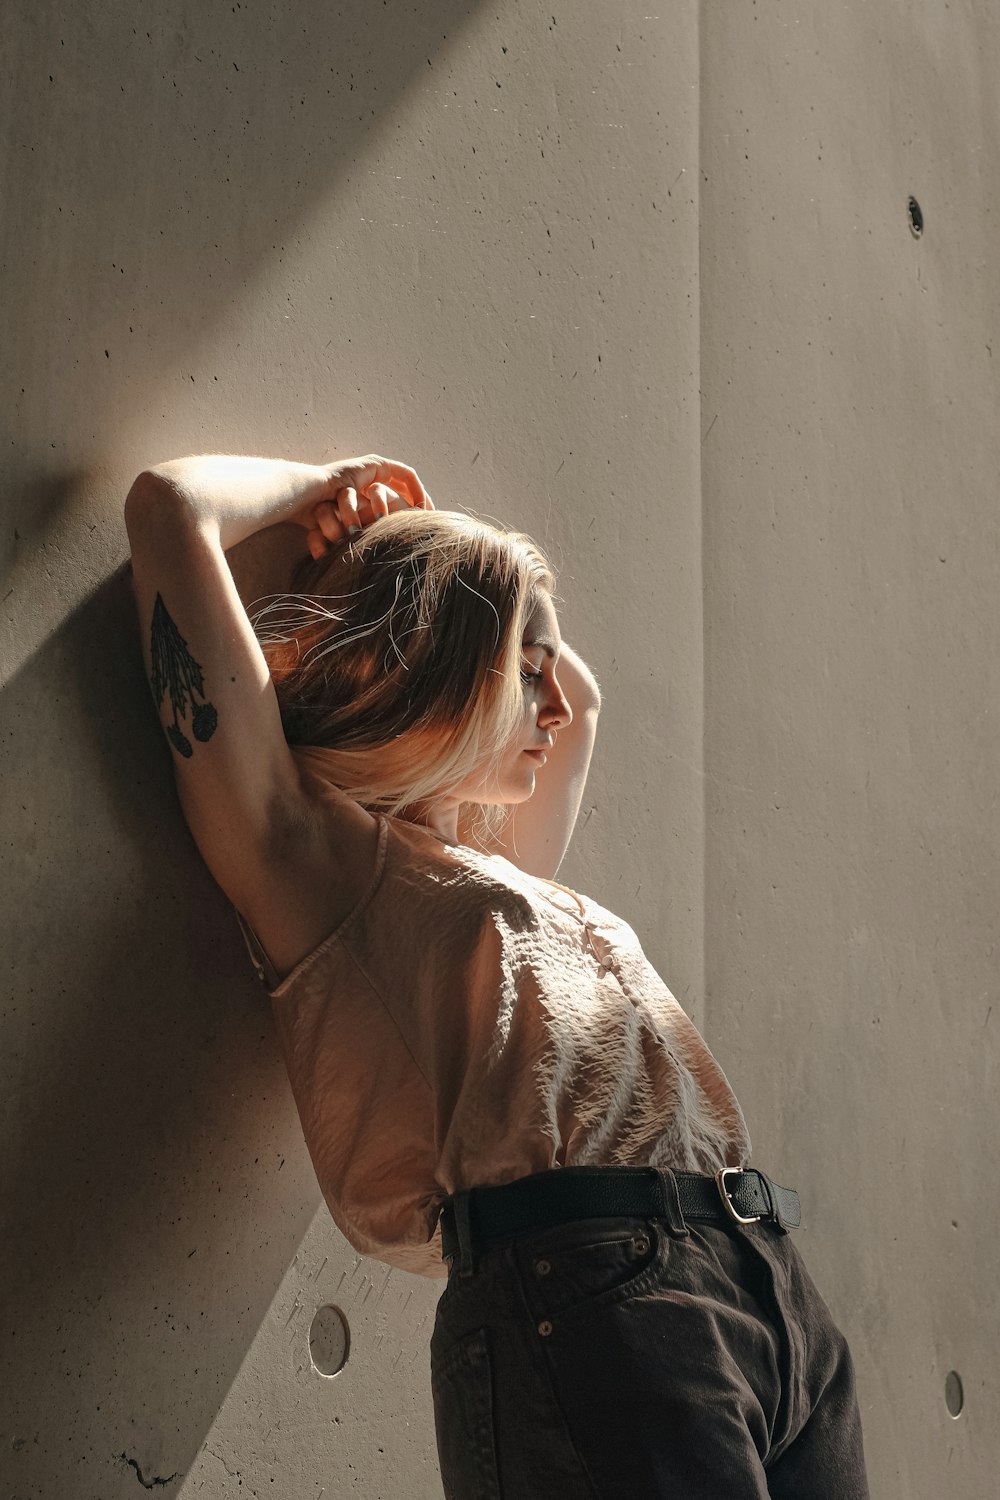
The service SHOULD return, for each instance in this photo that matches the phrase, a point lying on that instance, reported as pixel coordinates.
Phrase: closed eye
(532, 676)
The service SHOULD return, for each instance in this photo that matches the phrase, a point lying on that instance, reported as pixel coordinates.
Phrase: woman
(494, 1083)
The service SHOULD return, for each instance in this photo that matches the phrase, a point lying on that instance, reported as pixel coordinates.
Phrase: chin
(506, 798)
(520, 793)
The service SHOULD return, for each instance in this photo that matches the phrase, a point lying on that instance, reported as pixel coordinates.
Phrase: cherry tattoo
(174, 668)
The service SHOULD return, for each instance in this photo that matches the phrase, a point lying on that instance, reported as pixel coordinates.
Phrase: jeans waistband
(473, 1220)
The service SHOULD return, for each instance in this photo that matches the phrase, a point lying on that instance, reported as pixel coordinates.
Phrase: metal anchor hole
(329, 1341)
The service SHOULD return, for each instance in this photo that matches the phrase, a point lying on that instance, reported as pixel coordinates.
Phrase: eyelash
(532, 676)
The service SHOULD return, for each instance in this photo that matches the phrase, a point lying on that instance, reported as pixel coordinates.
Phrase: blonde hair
(401, 653)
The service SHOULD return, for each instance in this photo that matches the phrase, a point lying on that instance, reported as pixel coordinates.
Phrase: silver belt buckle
(720, 1179)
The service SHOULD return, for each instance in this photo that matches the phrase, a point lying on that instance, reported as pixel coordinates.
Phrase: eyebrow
(546, 645)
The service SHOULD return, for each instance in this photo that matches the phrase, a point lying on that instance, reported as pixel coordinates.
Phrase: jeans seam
(541, 1363)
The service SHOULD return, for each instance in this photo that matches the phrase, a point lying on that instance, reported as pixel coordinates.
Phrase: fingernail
(353, 530)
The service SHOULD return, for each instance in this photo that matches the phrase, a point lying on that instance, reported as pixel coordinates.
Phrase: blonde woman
(494, 1083)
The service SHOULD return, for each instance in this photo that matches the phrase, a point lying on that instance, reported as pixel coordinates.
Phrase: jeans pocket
(592, 1263)
(462, 1391)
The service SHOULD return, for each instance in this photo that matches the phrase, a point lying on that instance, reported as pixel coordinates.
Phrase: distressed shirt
(467, 1024)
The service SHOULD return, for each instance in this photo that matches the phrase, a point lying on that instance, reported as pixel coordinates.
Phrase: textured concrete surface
(851, 677)
(644, 285)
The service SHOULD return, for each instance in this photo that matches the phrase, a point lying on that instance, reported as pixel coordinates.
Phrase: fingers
(408, 480)
(347, 510)
(334, 517)
(376, 487)
(383, 499)
(362, 472)
(330, 523)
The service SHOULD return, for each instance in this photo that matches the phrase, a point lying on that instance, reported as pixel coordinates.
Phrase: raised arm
(285, 863)
(236, 778)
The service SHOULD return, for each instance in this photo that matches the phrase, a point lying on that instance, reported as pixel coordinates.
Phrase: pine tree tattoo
(175, 668)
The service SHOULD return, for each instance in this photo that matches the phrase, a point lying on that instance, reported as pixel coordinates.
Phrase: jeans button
(542, 1267)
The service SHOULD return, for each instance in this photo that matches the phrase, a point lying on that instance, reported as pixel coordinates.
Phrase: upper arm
(236, 777)
(537, 832)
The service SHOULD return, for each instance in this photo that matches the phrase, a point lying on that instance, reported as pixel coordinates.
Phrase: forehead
(542, 629)
(542, 620)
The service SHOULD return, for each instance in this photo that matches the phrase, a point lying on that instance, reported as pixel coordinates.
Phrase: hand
(361, 490)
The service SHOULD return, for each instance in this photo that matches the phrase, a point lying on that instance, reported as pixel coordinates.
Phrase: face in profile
(546, 711)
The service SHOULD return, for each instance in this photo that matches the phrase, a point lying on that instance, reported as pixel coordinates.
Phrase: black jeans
(607, 1359)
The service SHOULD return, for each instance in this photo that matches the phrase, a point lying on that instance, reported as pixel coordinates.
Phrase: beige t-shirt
(468, 1024)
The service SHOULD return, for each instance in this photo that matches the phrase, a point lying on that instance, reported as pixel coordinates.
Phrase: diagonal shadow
(156, 1185)
(150, 159)
(158, 1188)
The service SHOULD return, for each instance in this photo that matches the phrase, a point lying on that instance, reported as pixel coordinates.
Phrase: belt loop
(463, 1261)
(671, 1203)
(775, 1211)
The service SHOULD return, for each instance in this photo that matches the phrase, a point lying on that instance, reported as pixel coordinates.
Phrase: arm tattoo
(175, 668)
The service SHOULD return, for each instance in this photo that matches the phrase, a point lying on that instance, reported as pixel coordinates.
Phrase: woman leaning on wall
(494, 1083)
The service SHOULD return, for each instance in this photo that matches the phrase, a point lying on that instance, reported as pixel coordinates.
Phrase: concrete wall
(849, 399)
(643, 285)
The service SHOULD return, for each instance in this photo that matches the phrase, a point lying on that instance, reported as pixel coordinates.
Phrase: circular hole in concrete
(954, 1398)
(329, 1340)
(916, 218)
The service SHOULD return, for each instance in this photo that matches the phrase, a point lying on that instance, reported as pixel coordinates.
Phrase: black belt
(745, 1194)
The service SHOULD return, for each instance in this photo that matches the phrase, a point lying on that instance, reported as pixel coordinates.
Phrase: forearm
(236, 494)
(577, 680)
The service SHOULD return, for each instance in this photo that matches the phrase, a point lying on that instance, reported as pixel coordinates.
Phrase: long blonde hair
(401, 653)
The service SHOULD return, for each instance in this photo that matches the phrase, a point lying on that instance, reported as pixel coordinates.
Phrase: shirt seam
(388, 1010)
(340, 935)
(376, 991)
(306, 963)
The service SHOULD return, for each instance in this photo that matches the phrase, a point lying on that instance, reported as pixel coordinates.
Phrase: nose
(557, 710)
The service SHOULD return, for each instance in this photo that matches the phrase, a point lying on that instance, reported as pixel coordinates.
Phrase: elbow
(149, 487)
(579, 683)
(589, 693)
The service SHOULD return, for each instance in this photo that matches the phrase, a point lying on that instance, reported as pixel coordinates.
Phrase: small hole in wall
(329, 1341)
(954, 1397)
(916, 218)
